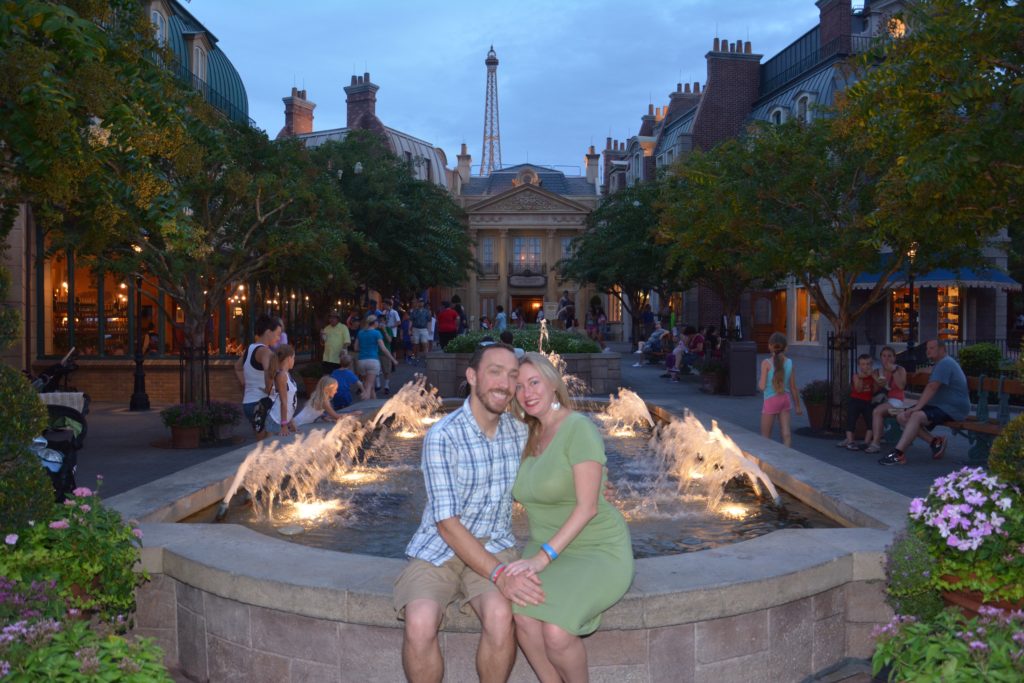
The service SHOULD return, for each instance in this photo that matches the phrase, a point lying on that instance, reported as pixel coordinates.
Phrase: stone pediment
(527, 199)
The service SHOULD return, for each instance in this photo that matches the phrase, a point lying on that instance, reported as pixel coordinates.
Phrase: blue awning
(945, 277)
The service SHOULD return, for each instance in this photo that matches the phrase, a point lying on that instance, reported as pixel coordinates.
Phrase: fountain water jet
(413, 407)
(624, 413)
(576, 385)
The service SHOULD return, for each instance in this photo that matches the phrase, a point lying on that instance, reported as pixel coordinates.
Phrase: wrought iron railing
(489, 268)
(217, 99)
(527, 268)
(805, 54)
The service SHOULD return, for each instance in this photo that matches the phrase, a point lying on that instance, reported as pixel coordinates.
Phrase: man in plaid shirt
(470, 459)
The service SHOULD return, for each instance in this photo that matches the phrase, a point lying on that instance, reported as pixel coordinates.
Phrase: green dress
(595, 570)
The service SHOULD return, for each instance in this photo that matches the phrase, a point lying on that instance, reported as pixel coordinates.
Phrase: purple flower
(85, 507)
(978, 645)
(59, 524)
(137, 533)
(11, 539)
(82, 492)
(99, 477)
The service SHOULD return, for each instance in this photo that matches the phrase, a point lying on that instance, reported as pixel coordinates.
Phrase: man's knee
(422, 622)
(496, 616)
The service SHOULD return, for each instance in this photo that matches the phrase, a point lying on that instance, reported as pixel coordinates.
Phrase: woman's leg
(531, 642)
(368, 388)
(566, 652)
(784, 421)
(767, 420)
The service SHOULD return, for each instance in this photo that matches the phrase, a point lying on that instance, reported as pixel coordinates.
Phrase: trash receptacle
(741, 357)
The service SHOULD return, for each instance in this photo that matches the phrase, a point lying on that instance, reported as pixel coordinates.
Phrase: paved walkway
(121, 444)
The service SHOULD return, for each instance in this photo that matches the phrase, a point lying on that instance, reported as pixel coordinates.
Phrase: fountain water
(576, 385)
(413, 407)
(624, 413)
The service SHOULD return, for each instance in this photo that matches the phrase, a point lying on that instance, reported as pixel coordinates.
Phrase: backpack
(260, 414)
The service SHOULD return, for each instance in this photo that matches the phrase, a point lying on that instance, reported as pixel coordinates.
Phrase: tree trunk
(842, 372)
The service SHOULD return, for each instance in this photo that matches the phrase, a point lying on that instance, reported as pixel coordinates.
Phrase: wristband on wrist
(549, 551)
(497, 571)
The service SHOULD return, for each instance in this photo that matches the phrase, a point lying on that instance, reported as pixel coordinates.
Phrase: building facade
(800, 82)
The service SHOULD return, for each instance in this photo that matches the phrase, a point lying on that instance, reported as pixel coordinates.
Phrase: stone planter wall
(601, 371)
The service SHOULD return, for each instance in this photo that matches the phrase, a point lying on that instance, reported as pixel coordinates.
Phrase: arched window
(159, 26)
(199, 62)
(803, 109)
(777, 116)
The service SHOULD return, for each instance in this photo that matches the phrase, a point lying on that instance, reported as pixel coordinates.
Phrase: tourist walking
(319, 407)
(369, 347)
(893, 380)
(419, 318)
(253, 368)
(863, 387)
(579, 544)
(447, 324)
(778, 385)
(500, 320)
(353, 323)
(335, 338)
(283, 392)
(945, 398)
(465, 541)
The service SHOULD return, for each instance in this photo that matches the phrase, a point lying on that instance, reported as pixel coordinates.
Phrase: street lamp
(140, 400)
(911, 326)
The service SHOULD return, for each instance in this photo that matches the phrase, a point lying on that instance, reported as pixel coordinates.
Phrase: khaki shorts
(453, 580)
(365, 365)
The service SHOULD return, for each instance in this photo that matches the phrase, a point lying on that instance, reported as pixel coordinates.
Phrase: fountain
(228, 600)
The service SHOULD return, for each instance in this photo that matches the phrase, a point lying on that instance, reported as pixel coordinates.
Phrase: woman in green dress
(579, 543)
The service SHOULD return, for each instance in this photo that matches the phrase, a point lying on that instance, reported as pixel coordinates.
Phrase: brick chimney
(592, 159)
(298, 114)
(834, 17)
(361, 102)
(732, 86)
(465, 163)
(683, 99)
(647, 122)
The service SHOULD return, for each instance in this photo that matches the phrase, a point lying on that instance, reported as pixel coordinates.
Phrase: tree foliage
(617, 251)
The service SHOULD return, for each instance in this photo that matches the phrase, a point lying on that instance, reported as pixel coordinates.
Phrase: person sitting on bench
(945, 398)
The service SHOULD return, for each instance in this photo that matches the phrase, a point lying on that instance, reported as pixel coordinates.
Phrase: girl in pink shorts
(778, 384)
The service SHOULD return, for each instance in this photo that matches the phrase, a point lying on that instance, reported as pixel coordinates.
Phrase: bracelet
(285, 422)
(497, 571)
(550, 551)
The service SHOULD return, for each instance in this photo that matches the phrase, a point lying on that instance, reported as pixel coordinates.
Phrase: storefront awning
(945, 277)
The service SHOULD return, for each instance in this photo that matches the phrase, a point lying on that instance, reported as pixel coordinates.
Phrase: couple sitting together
(579, 559)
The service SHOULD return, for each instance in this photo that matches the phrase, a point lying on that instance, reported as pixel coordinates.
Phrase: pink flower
(11, 539)
(59, 524)
(137, 533)
(82, 492)
(85, 507)
(99, 477)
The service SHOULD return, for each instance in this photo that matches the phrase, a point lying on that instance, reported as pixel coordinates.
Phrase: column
(504, 257)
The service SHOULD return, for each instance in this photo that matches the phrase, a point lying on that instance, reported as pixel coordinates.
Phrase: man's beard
(487, 401)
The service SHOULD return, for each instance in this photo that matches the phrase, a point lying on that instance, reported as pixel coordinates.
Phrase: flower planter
(970, 601)
(816, 413)
(713, 382)
(309, 384)
(185, 437)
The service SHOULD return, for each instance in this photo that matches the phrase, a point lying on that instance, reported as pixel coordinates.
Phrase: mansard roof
(551, 180)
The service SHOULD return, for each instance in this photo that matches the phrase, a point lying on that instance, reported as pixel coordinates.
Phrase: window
(199, 62)
(567, 247)
(487, 304)
(428, 168)
(900, 315)
(526, 254)
(807, 317)
(777, 116)
(948, 302)
(159, 26)
(803, 109)
(487, 262)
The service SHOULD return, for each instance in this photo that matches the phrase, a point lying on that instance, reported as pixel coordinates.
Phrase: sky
(571, 72)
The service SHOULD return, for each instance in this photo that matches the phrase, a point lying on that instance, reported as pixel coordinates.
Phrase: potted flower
(973, 524)
(815, 396)
(187, 422)
(714, 376)
(223, 416)
(311, 374)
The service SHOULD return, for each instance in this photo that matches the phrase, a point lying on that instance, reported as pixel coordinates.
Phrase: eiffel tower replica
(490, 157)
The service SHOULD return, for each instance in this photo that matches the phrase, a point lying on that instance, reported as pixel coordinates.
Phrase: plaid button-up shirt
(470, 476)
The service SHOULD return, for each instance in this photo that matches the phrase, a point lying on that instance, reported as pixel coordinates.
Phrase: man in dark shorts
(944, 399)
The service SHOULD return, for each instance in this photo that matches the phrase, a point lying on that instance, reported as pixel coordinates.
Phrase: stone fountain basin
(789, 604)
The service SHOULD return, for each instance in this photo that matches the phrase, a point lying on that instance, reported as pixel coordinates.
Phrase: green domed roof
(223, 87)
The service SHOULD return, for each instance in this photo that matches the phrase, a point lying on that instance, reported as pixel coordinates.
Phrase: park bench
(980, 429)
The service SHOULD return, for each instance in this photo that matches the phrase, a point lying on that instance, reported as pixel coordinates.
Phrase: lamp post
(140, 400)
(911, 363)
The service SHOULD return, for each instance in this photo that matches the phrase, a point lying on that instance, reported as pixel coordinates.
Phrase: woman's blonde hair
(778, 360)
(319, 398)
(546, 370)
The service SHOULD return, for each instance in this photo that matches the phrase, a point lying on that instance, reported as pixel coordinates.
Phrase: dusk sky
(571, 73)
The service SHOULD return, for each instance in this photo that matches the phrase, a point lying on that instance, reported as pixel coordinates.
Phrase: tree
(411, 234)
(944, 102)
(706, 212)
(617, 251)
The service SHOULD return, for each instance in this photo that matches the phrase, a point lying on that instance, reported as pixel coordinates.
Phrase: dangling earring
(555, 405)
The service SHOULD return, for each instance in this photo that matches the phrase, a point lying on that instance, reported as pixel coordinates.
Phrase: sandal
(844, 444)
(872, 448)
(852, 447)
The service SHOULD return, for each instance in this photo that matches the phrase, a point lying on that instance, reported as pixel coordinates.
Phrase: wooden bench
(980, 429)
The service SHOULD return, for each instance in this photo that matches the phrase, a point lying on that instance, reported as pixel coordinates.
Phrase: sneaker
(638, 365)
(894, 458)
(844, 444)
(938, 447)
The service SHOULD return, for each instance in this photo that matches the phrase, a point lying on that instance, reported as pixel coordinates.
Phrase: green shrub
(910, 574)
(26, 493)
(981, 359)
(185, 415)
(559, 341)
(817, 392)
(23, 416)
(1006, 459)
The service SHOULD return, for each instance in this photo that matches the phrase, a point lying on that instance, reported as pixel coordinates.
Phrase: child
(863, 387)
(778, 383)
(891, 378)
(283, 393)
(345, 380)
(319, 405)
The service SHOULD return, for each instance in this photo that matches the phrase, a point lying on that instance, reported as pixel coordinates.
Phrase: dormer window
(803, 108)
(777, 116)
(199, 62)
(159, 26)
